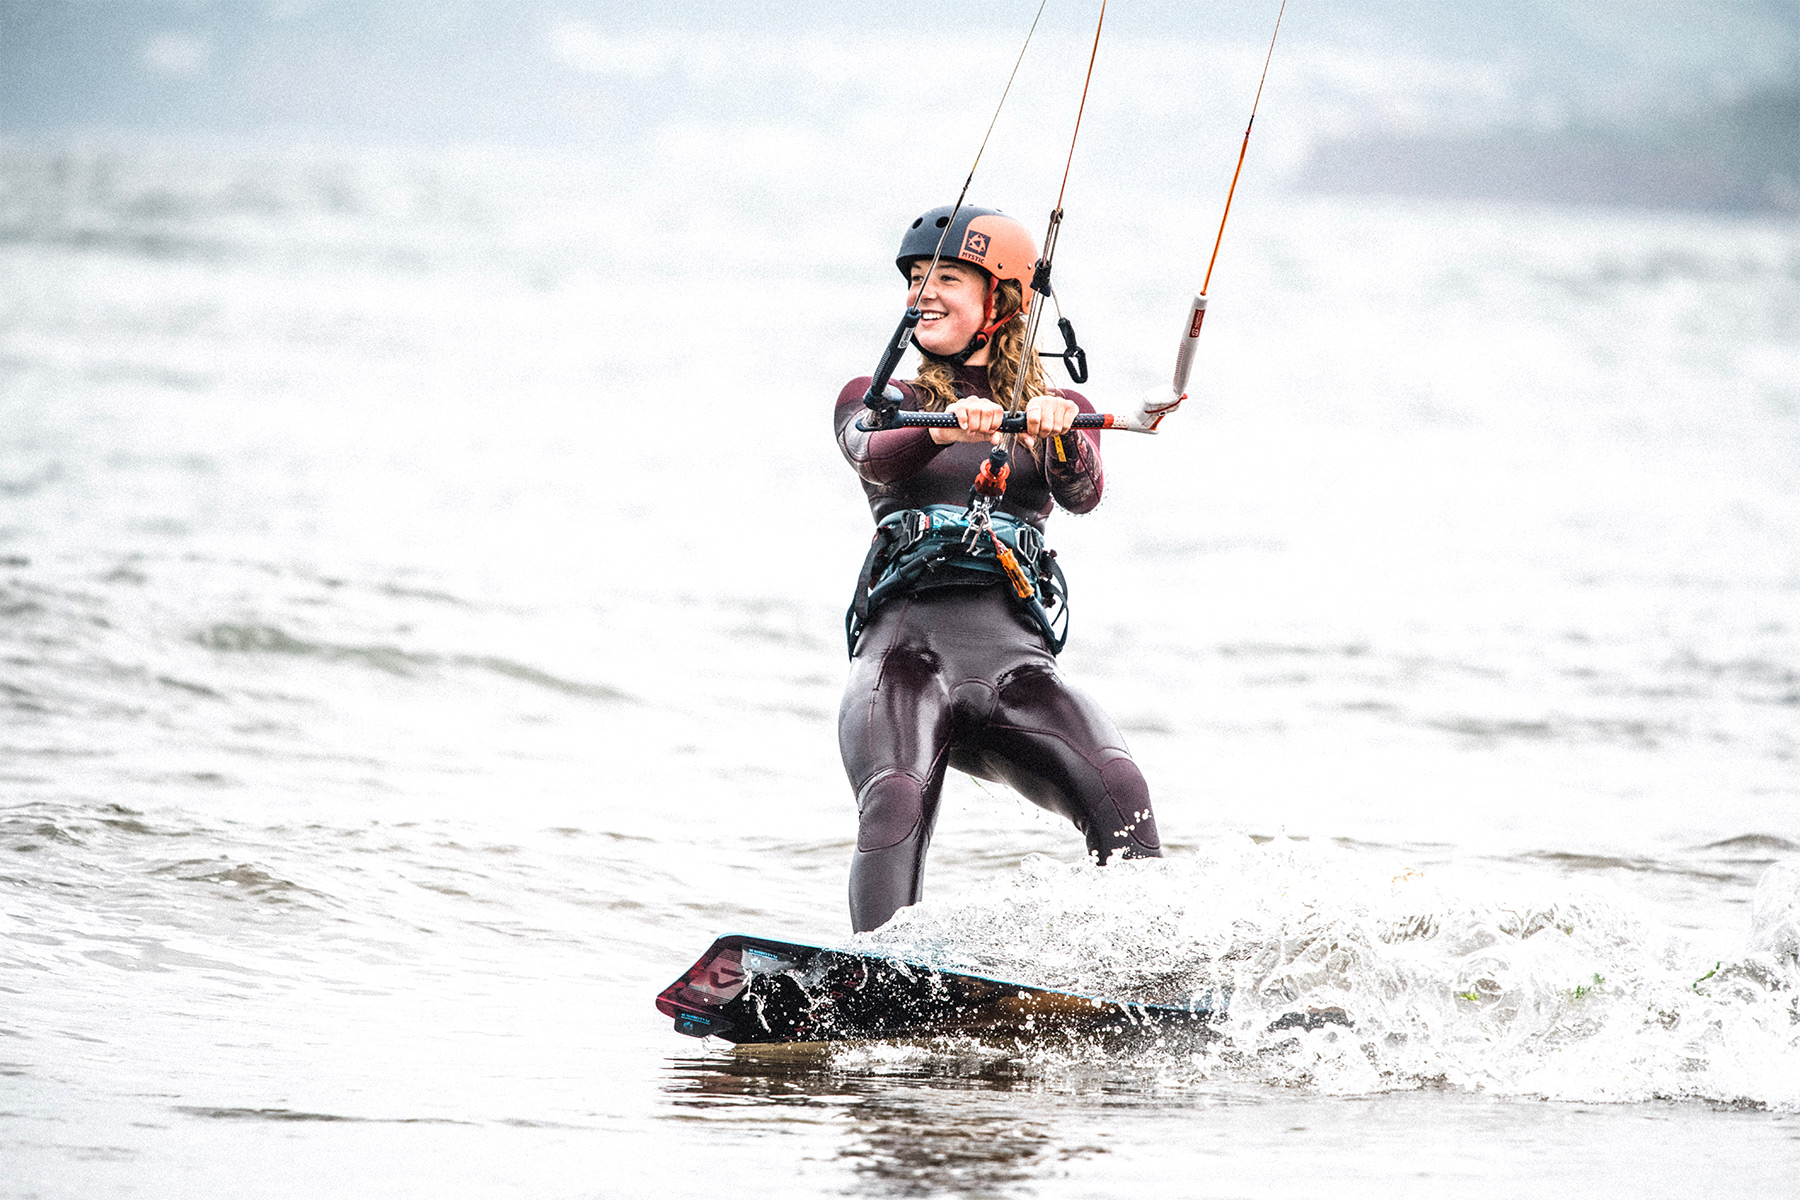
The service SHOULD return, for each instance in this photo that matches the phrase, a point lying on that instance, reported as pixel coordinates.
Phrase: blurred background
(423, 550)
(1670, 104)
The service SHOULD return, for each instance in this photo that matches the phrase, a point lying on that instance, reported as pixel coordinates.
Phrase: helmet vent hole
(918, 222)
(942, 221)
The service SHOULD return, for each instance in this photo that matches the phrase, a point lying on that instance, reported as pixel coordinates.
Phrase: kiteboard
(753, 991)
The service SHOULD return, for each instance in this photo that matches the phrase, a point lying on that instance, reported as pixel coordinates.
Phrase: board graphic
(753, 991)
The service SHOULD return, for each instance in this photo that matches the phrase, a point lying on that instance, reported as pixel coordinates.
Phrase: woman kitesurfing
(954, 627)
(960, 609)
(948, 667)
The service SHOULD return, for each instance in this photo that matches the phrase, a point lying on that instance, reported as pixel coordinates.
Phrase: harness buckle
(914, 525)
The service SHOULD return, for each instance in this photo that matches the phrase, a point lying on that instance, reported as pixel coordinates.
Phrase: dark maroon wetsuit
(960, 677)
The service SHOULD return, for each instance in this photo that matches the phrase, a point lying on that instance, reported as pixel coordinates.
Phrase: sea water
(421, 579)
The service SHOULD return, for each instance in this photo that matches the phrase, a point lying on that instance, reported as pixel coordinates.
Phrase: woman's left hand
(1048, 416)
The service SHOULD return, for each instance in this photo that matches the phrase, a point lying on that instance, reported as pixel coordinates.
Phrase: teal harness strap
(917, 549)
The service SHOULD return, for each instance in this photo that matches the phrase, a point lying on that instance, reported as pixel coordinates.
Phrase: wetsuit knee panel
(891, 808)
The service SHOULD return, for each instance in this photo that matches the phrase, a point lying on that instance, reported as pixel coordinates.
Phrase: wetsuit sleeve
(888, 455)
(1076, 477)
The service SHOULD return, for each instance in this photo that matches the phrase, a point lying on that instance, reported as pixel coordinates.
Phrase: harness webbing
(918, 549)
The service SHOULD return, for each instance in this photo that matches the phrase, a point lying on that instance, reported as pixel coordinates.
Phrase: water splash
(1775, 915)
(1512, 984)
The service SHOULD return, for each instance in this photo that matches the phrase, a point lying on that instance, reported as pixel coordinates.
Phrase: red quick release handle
(991, 479)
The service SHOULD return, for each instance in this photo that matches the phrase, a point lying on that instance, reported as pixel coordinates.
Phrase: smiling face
(953, 304)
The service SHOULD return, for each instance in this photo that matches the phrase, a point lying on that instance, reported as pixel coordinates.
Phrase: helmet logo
(975, 246)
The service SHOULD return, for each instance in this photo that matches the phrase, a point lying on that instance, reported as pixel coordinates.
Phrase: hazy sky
(538, 69)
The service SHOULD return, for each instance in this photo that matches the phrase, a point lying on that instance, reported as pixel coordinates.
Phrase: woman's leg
(893, 731)
(1064, 754)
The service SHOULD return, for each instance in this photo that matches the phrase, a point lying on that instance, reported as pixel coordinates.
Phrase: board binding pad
(753, 991)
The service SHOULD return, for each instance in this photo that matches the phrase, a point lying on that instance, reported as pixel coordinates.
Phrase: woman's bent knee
(891, 809)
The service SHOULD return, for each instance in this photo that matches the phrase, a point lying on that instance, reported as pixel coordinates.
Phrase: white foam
(1775, 915)
(1478, 979)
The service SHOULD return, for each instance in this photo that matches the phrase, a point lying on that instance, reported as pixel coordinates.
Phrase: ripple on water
(234, 878)
(231, 638)
(289, 1114)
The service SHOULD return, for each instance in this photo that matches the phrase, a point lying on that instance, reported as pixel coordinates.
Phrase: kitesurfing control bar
(1012, 422)
(1157, 403)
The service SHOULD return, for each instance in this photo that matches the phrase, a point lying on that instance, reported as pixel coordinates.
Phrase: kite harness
(940, 545)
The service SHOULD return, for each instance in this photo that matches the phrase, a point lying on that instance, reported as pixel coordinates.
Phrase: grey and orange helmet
(982, 237)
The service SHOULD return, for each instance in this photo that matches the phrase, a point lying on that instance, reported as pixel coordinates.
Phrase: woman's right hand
(977, 420)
